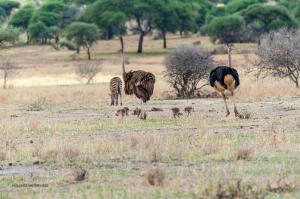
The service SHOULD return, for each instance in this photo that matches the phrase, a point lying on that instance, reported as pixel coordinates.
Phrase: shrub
(68, 45)
(186, 66)
(233, 188)
(8, 69)
(88, 70)
(279, 55)
(8, 35)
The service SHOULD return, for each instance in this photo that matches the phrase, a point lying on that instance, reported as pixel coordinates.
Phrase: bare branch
(279, 55)
(186, 66)
(88, 70)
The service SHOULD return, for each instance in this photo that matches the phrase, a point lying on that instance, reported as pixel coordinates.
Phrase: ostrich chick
(176, 112)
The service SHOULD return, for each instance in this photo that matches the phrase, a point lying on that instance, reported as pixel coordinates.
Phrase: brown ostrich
(139, 83)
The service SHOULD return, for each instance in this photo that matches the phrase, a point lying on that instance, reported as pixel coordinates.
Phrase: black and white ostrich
(225, 78)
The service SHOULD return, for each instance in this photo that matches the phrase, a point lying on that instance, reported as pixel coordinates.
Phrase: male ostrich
(140, 83)
(225, 78)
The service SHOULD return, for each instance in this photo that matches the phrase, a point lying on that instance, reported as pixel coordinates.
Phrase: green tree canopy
(8, 6)
(165, 18)
(238, 5)
(83, 35)
(38, 32)
(22, 18)
(227, 29)
(109, 16)
(264, 18)
(186, 16)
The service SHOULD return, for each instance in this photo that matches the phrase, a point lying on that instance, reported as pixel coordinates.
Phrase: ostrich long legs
(237, 114)
(226, 106)
(143, 115)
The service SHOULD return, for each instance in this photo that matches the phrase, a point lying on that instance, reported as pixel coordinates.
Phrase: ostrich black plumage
(139, 82)
(225, 78)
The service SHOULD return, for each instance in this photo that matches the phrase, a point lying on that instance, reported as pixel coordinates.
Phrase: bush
(279, 54)
(186, 66)
(8, 35)
(88, 70)
(227, 29)
(68, 45)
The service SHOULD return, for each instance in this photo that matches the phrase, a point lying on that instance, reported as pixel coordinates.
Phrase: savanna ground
(52, 125)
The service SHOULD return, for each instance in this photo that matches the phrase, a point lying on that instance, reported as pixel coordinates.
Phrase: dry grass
(272, 138)
(243, 153)
(78, 127)
(2, 156)
(233, 189)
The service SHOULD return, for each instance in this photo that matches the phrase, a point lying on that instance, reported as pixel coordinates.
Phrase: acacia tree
(109, 16)
(142, 11)
(165, 18)
(186, 17)
(227, 29)
(83, 35)
(186, 66)
(22, 18)
(279, 55)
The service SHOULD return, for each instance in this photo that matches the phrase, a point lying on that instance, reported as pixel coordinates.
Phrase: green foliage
(8, 35)
(238, 5)
(264, 18)
(38, 31)
(68, 45)
(297, 11)
(165, 16)
(227, 29)
(109, 16)
(187, 16)
(47, 18)
(54, 7)
(83, 35)
(289, 4)
(22, 18)
(8, 6)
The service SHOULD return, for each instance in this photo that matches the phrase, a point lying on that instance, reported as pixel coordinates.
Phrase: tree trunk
(181, 34)
(88, 53)
(89, 80)
(57, 39)
(28, 38)
(78, 50)
(141, 41)
(122, 43)
(4, 81)
(229, 55)
(164, 34)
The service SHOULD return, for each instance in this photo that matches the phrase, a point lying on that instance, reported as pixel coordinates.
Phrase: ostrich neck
(123, 62)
